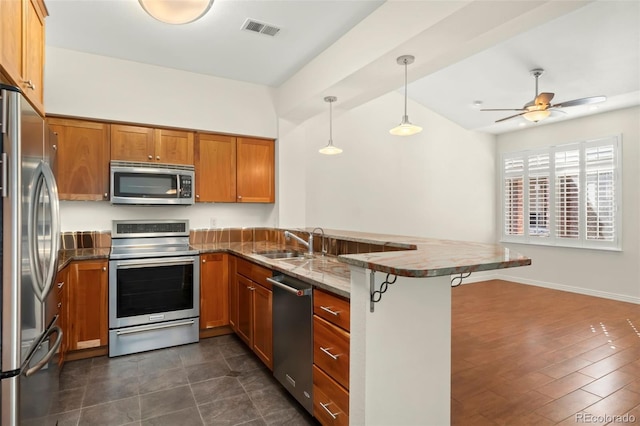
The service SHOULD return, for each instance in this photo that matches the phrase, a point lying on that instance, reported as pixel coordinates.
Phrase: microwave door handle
(178, 186)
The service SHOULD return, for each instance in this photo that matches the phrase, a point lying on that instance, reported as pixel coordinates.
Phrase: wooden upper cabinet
(255, 170)
(215, 158)
(22, 44)
(33, 77)
(174, 146)
(11, 23)
(149, 145)
(132, 143)
(82, 158)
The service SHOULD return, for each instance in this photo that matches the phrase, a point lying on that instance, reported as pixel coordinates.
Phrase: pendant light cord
(330, 122)
(405, 87)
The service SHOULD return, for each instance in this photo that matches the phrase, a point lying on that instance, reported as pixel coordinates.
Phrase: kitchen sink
(280, 254)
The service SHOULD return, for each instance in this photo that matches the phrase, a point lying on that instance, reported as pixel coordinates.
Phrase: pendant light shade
(330, 149)
(176, 12)
(405, 128)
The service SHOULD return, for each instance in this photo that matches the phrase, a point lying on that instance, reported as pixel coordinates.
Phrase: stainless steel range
(154, 286)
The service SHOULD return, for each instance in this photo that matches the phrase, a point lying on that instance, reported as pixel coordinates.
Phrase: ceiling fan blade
(503, 109)
(581, 101)
(544, 98)
(511, 116)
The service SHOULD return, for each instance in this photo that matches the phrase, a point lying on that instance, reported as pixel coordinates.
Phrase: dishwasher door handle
(292, 290)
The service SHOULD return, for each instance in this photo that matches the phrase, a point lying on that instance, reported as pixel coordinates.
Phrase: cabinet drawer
(255, 273)
(330, 400)
(334, 309)
(331, 350)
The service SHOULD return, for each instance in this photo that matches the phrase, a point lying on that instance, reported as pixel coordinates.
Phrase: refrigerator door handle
(43, 178)
(45, 359)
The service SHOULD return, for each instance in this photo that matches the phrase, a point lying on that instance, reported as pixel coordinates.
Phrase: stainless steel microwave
(151, 184)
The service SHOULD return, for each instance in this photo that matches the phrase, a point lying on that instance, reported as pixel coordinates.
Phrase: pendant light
(330, 149)
(176, 12)
(405, 128)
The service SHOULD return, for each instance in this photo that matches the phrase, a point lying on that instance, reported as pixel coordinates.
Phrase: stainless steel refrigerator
(30, 235)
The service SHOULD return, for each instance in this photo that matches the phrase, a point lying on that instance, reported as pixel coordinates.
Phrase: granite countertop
(326, 272)
(429, 257)
(412, 257)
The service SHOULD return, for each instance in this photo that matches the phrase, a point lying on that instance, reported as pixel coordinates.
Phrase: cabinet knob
(106, 195)
(157, 157)
(60, 284)
(239, 197)
(104, 268)
(55, 147)
(150, 157)
(197, 196)
(30, 84)
(59, 305)
(204, 260)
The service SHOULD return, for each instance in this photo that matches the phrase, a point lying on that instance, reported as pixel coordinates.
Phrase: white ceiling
(587, 49)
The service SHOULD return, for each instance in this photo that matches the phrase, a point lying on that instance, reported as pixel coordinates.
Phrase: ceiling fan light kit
(330, 149)
(176, 12)
(541, 108)
(405, 128)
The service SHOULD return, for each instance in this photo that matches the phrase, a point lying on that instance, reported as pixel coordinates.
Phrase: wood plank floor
(525, 355)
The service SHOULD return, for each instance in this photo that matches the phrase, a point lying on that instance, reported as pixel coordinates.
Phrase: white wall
(84, 85)
(439, 183)
(614, 275)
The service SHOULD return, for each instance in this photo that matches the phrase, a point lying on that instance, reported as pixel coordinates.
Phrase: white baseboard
(474, 278)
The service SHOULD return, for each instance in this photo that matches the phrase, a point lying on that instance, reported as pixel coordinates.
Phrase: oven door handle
(153, 327)
(143, 263)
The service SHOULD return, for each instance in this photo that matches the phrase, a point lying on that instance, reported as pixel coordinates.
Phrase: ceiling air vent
(260, 27)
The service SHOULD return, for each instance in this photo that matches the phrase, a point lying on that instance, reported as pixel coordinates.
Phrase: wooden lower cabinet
(87, 313)
(330, 400)
(233, 295)
(214, 290)
(331, 347)
(254, 305)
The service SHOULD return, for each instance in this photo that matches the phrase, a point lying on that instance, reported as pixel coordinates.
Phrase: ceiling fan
(541, 107)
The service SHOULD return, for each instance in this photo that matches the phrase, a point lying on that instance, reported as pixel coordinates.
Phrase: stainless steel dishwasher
(293, 337)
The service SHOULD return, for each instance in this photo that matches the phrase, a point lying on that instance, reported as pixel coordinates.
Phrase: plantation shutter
(567, 193)
(539, 197)
(514, 196)
(600, 194)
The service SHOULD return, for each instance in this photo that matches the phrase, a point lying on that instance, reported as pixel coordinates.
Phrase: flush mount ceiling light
(405, 128)
(176, 12)
(330, 149)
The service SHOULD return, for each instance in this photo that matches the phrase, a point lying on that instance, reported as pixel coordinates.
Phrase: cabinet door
(245, 289)
(255, 169)
(173, 147)
(82, 159)
(215, 157)
(87, 308)
(214, 290)
(33, 79)
(263, 325)
(132, 143)
(233, 295)
(11, 18)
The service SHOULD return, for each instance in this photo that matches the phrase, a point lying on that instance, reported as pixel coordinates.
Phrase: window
(565, 195)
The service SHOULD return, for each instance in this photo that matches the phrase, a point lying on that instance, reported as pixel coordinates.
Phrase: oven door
(152, 290)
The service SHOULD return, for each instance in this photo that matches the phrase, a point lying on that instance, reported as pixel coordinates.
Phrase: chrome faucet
(323, 250)
(308, 244)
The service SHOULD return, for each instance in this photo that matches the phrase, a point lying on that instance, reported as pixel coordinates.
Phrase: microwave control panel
(185, 183)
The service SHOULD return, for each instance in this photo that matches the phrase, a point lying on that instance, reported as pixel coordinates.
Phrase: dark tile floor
(215, 382)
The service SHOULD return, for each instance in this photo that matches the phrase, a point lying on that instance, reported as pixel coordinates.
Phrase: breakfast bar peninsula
(400, 353)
